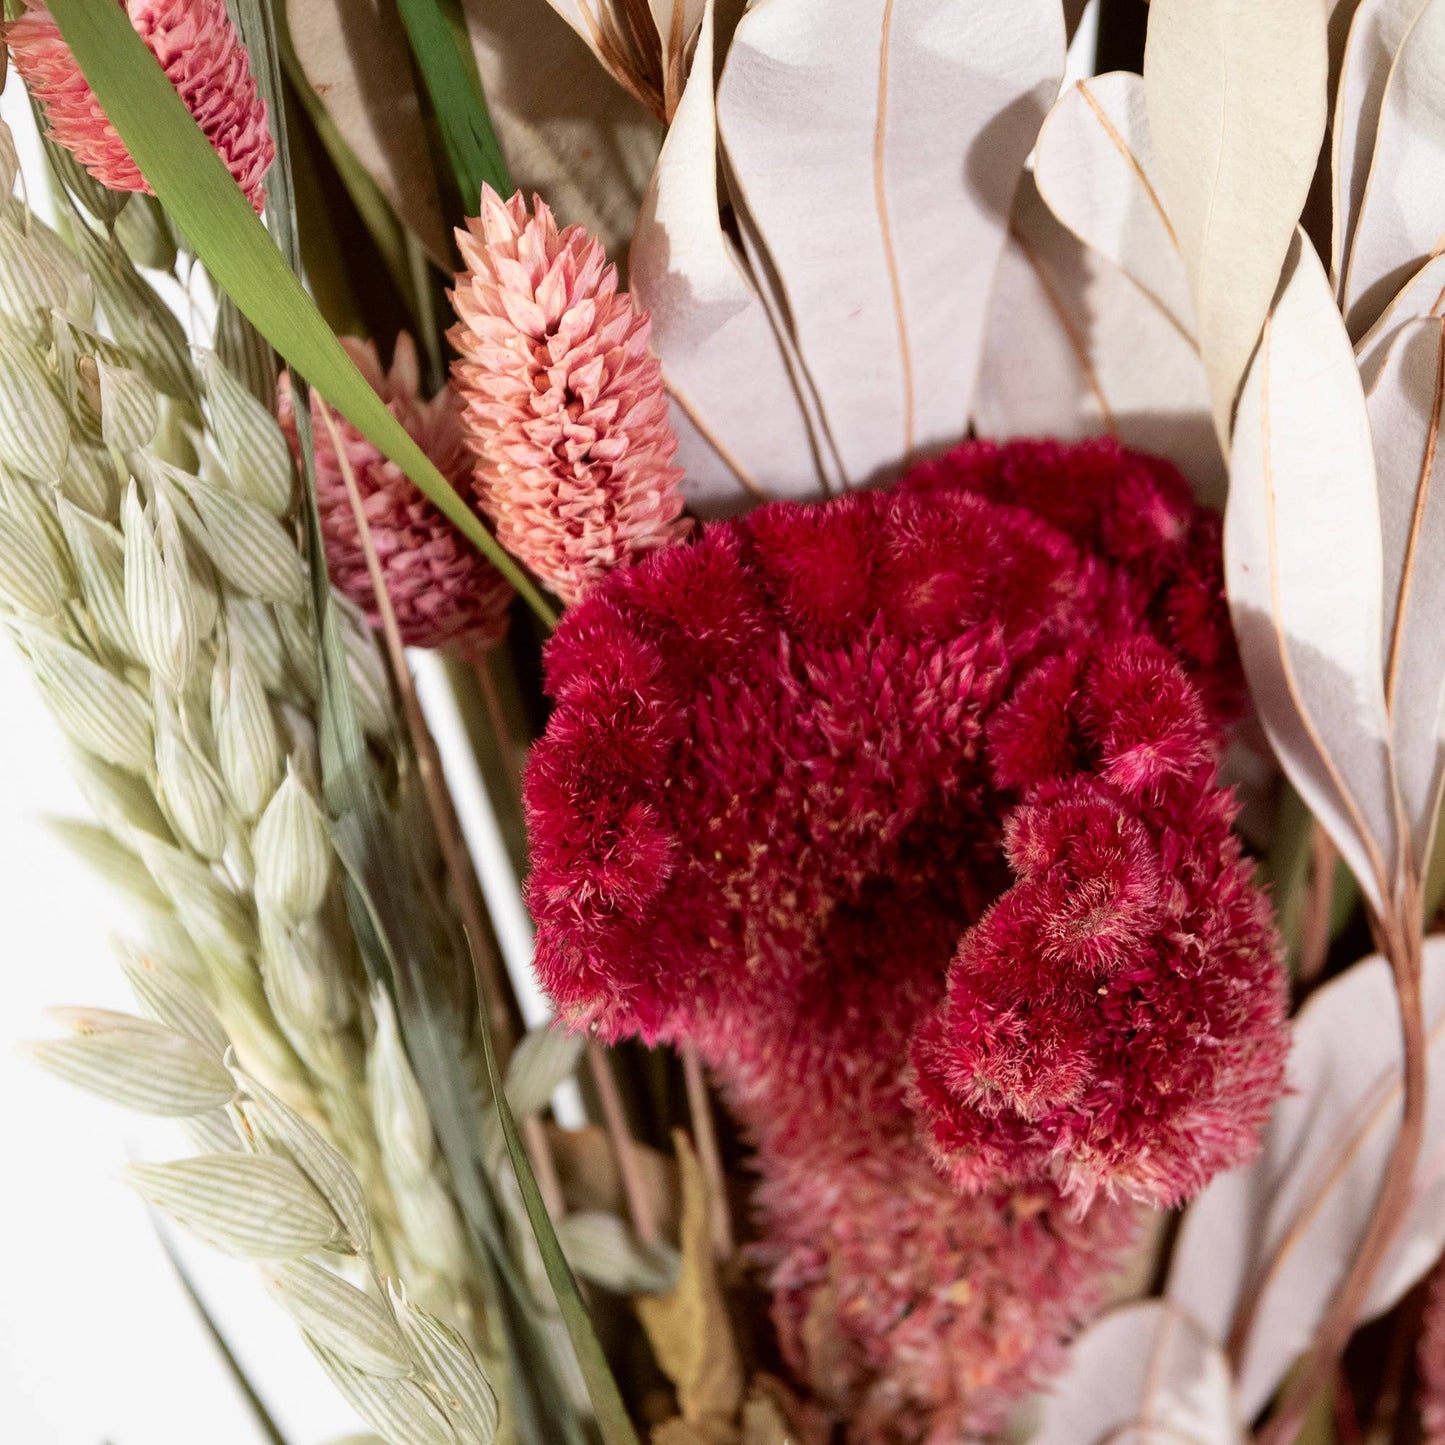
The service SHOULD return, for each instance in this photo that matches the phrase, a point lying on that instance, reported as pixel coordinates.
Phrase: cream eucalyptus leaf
(1304, 572)
(1143, 1373)
(1401, 218)
(743, 433)
(1406, 407)
(876, 150)
(1421, 296)
(1263, 1249)
(1236, 101)
(1095, 167)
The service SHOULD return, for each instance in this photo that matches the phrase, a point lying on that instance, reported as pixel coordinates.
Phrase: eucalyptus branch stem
(704, 1132)
(1404, 943)
(634, 1187)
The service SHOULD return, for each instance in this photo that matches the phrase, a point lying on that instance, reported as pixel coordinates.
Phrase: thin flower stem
(1318, 906)
(1404, 947)
(544, 1166)
(705, 1135)
(634, 1187)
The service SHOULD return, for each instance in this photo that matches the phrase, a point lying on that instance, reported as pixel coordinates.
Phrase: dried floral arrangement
(943, 572)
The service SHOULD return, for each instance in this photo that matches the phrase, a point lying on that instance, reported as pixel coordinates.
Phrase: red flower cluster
(903, 808)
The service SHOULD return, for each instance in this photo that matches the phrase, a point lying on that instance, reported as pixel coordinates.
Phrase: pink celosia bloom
(564, 404)
(903, 807)
(444, 592)
(202, 56)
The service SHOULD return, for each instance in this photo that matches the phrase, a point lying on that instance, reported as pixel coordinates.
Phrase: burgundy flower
(564, 404)
(444, 592)
(202, 56)
(903, 807)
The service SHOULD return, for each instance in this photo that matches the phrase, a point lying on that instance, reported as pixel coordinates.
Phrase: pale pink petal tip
(444, 592)
(202, 56)
(563, 403)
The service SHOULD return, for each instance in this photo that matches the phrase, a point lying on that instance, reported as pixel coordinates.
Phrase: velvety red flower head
(903, 807)
(444, 592)
(203, 58)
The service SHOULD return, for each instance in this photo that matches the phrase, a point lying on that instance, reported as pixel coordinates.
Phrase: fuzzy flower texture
(904, 808)
(444, 593)
(564, 405)
(202, 56)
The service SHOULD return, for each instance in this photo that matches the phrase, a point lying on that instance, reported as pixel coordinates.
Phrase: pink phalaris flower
(815, 784)
(202, 56)
(444, 592)
(564, 404)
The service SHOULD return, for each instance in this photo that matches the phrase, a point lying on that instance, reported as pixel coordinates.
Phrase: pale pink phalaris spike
(202, 56)
(444, 592)
(563, 403)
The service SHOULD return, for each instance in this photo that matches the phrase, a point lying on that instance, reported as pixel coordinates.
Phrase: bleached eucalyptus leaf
(1405, 408)
(136, 1063)
(254, 1205)
(248, 546)
(601, 1247)
(172, 999)
(1375, 34)
(116, 864)
(1074, 349)
(1236, 99)
(551, 103)
(1421, 296)
(97, 553)
(94, 707)
(251, 443)
(275, 1127)
(741, 425)
(1095, 168)
(1304, 571)
(247, 743)
(1401, 218)
(34, 428)
(461, 1387)
(160, 600)
(543, 1059)
(877, 151)
(292, 847)
(1144, 1372)
(356, 1327)
(400, 1410)
(129, 408)
(1284, 1231)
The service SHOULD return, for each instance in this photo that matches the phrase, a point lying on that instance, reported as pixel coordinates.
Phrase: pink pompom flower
(903, 808)
(202, 56)
(564, 404)
(444, 592)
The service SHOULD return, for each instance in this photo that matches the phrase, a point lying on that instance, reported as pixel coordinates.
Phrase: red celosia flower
(902, 806)
(564, 404)
(202, 56)
(444, 592)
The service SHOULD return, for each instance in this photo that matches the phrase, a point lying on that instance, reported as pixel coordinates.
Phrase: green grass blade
(612, 1419)
(204, 201)
(457, 99)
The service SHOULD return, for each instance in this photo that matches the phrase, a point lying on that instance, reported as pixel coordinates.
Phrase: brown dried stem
(704, 1133)
(634, 1187)
(1319, 905)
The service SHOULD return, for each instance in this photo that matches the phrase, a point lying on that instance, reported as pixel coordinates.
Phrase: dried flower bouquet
(960, 556)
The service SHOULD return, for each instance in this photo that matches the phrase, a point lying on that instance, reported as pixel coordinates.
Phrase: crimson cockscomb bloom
(903, 808)
(444, 592)
(202, 56)
(564, 404)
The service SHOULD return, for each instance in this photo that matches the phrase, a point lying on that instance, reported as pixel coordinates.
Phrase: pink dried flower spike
(202, 56)
(563, 403)
(445, 593)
